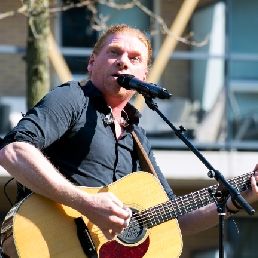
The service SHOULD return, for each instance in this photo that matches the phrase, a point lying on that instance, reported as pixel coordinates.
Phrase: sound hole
(135, 231)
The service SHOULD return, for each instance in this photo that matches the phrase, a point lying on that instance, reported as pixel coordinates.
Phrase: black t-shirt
(68, 125)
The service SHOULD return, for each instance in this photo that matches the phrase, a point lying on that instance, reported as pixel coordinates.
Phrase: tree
(37, 11)
(38, 82)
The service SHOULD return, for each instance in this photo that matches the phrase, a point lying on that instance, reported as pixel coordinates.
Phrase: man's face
(121, 54)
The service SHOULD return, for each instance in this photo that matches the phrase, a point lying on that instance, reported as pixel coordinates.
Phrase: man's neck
(116, 111)
(117, 107)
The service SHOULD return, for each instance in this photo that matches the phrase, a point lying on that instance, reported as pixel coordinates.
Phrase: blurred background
(209, 64)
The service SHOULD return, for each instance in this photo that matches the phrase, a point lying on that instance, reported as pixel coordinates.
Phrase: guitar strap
(145, 162)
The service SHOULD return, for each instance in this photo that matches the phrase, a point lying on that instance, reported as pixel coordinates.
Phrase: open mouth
(115, 75)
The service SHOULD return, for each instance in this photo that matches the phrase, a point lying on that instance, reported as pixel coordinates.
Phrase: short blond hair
(124, 29)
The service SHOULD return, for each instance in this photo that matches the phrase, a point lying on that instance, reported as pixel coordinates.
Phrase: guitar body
(43, 228)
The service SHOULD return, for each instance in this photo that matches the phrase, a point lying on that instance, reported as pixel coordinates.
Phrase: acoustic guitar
(43, 228)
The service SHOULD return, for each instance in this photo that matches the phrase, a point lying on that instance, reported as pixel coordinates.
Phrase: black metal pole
(225, 187)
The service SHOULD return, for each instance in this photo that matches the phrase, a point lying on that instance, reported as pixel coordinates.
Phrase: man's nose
(123, 62)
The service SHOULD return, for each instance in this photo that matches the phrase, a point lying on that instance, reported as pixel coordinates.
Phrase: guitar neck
(187, 203)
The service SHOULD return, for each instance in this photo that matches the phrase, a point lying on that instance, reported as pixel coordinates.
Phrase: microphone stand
(224, 189)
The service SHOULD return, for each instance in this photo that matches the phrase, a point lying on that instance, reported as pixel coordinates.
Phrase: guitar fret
(175, 209)
(151, 221)
(178, 210)
(193, 201)
(162, 212)
(169, 211)
(187, 207)
(147, 219)
(178, 207)
(200, 199)
(236, 185)
(156, 216)
(139, 218)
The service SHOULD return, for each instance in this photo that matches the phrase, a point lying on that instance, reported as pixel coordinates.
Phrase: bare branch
(98, 21)
(71, 5)
(166, 30)
(114, 5)
(21, 10)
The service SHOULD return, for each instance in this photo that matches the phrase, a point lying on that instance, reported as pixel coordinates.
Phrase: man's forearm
(198, 220)
(29, 166)
(207, 216)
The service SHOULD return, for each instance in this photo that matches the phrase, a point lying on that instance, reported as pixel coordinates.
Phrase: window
(76, 28)
(208, 254)
(243, 71)
(226, 82)
(77, 36)
(242, 244)
(214, 87)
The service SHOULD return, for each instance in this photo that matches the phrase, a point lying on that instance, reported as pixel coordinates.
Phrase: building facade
(213, 78)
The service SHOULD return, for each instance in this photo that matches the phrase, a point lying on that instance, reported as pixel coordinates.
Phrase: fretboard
(183, 204)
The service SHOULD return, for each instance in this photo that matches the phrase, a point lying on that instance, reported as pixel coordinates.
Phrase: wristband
(235, 204)
(230, 211)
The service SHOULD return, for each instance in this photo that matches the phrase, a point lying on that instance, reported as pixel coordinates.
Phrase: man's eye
(113, 51)
(135, 58)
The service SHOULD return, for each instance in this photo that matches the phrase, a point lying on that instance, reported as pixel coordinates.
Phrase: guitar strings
(181, 205)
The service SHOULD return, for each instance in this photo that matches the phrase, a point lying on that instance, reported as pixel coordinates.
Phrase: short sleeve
(48, 120)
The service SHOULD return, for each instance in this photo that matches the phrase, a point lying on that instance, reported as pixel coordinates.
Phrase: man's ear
(91, 62)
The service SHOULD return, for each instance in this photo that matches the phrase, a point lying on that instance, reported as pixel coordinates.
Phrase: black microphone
(130, 82)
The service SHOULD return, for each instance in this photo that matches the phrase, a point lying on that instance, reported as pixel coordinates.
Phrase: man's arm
(29, 167)
(207, 216)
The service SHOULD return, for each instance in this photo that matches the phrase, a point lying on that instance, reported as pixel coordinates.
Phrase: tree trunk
(38, 82)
